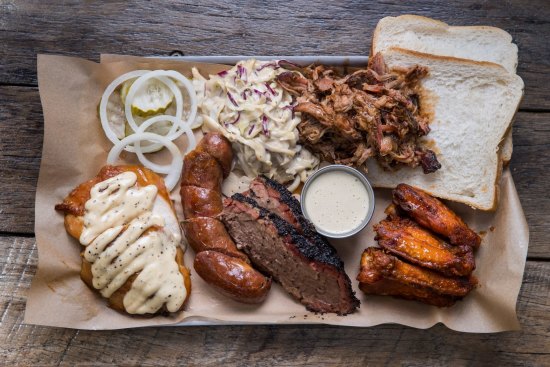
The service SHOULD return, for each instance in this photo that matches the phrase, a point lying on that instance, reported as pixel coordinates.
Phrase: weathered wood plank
(21, 143)
(264, 345)
(531, 134)
(21, 135)
(248, 28)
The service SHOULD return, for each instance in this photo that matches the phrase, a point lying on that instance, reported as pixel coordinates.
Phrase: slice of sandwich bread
(426, 35)
(430, 36)
(472, 104)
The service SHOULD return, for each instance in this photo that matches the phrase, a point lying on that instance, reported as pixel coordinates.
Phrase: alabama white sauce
(336, 202)
(119, 244)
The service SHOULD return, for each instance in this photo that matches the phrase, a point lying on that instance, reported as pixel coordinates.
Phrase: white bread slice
(426, 35)
(506, 147)
(473, 104)
(422, 34)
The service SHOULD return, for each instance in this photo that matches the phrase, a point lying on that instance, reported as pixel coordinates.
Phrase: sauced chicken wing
(388, 287)
(384, 274)
(433, 214)
(406, 239)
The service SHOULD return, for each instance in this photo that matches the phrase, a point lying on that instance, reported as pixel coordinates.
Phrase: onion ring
(105, 99)
(191, 141)
(162, 76)
(176, 165)
(142, 76)
(130, 99)
(132, 143)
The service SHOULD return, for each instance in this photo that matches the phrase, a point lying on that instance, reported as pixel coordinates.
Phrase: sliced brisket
(275, 197)
(310, 270)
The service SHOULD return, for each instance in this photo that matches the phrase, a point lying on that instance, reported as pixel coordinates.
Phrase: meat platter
(503, 231)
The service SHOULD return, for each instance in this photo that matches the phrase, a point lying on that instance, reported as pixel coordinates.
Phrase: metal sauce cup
(353, 172)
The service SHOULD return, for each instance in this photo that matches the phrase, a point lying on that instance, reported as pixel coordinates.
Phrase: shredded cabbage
(248, 107)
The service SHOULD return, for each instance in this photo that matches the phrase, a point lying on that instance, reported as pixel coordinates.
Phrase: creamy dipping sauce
(337, 202)
(124, 235)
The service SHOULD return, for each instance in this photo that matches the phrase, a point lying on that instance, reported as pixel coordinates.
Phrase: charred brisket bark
(307, 267)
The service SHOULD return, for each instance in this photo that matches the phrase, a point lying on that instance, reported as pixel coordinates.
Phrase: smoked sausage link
(217, 259)
(232, 277)
(210, 234)
(200, 202)
(220, 148)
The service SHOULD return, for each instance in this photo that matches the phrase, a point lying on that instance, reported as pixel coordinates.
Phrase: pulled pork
(369, 113)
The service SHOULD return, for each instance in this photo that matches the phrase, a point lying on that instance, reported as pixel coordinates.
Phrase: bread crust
(435, 22)
(447, 58)
(446, 25)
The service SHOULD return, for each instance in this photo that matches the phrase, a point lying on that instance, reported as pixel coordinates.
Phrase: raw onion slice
(183, 128)
(142, 76)
(111, 135)
(177, 160)
(130, 100)
(162, 75)
(132, 143)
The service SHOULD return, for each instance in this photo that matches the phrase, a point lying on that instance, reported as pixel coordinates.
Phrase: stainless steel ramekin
(351, 171)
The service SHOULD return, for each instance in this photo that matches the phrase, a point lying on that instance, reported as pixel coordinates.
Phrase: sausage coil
(217, 259)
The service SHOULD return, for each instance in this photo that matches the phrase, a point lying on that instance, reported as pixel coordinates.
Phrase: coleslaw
(248, 107)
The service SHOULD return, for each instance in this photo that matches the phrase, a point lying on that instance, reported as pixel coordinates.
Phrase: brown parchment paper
(75, 148)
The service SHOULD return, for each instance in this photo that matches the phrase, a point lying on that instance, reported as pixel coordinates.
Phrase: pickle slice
(152, 98)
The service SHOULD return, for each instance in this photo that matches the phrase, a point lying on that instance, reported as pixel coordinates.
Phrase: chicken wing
(384, 274)
(433, 214)
(409, 241)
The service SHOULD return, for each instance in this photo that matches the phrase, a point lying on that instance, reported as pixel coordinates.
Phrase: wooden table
(86, 29)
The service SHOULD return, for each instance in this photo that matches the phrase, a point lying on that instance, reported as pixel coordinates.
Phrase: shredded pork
(371, 112)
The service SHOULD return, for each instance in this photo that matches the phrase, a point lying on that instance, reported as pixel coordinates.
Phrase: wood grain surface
(86, 29)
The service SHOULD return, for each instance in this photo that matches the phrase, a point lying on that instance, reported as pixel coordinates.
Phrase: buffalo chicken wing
(406, 239)
(385, 274)
(431, 213)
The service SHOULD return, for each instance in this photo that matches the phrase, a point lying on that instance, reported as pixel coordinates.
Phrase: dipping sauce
(337, 201)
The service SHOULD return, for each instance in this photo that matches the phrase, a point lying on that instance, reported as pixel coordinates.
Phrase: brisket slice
(275, 197)
(311, 273)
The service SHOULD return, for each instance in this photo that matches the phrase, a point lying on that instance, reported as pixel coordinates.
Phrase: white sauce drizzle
(117, 216)
(336, 202)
